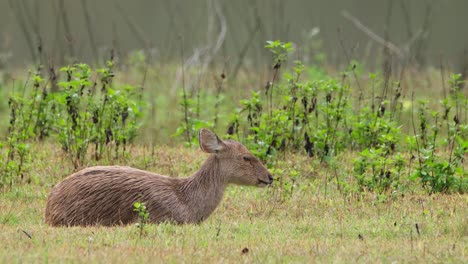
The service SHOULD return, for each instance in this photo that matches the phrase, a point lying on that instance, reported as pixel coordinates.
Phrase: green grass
(316, 223)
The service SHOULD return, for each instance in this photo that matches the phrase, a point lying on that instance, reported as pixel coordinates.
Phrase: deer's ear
(209, 141)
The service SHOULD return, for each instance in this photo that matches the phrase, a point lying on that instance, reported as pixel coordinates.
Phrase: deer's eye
(247, 158)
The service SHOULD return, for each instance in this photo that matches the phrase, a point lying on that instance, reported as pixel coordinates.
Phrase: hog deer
(104, 195)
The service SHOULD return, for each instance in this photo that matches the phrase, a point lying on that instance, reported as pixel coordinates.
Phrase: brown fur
(104, 195)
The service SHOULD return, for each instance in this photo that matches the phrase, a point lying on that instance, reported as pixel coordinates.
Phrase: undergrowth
(300, 110)
(89, 117)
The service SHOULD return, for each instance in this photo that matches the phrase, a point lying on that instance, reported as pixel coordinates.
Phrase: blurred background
(422, 32)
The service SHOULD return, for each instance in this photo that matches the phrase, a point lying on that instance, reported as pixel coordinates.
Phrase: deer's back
(105, 195)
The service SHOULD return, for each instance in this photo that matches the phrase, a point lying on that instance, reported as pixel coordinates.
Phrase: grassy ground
(313, 222)
(305, 217)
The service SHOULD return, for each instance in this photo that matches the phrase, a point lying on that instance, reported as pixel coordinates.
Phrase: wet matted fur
(104, 195)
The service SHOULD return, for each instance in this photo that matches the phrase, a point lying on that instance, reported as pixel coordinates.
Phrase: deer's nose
(270, 177)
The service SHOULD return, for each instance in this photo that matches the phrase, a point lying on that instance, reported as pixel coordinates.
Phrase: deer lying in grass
(104, 195)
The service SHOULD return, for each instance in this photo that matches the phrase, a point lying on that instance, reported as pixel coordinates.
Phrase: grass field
(313, 222)
(368, 167)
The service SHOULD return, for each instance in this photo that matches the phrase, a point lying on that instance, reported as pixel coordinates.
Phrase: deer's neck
(204, 190)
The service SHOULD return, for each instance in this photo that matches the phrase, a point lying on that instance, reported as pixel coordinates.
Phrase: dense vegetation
(397, 141)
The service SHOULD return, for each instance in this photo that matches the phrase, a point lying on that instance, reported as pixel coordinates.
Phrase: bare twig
(464, 68)
(202, 57)
(145, 73)
(406, 17)
(34, 23)
(136, 31)
(92, 41)
(23, 26)
(442, 76)
(387, 64)
(219, 87)
(185, 102)
(171, 28)
(115, 39)
(387, 44)
(418, 150)
(348, 59)
(223, 28)
(420, 45)
(66, 27)
(60, 53)
(245, 48)
(412, 40)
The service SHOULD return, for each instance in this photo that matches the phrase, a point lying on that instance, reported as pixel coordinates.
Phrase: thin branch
(421, 44)
(34, 23)
(24, 28)
(66, 27)
(116, 40)
(202, 57)
(137, 32)
(406, 17)
(252, 33)
(387, 44)
(92, 41)
(185, 102)
(170, 39)
(59, 55)
(348, 60)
